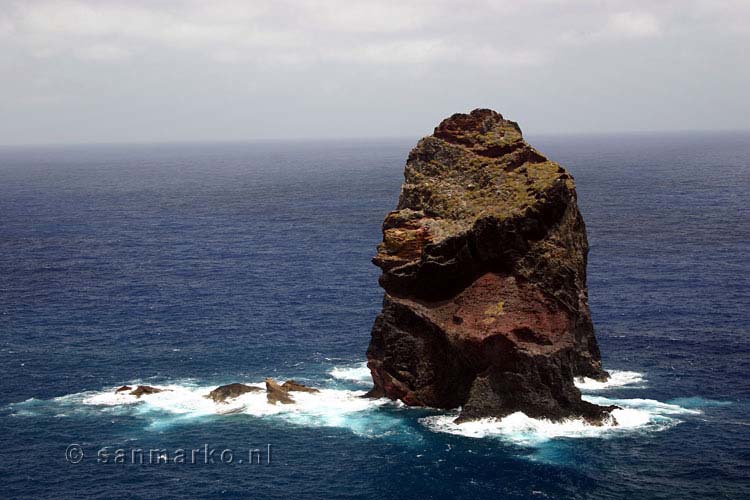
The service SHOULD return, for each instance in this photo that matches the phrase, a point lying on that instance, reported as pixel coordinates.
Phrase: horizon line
(308, 139)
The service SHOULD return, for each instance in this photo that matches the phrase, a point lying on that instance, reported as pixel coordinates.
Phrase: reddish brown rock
(124, 388)
(484, 269)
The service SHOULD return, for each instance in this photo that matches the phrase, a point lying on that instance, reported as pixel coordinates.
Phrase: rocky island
(484, 272)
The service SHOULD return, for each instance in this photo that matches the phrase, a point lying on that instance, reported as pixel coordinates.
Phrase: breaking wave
(358, 373)
(635, 415)
(617, 378)
(185, 402)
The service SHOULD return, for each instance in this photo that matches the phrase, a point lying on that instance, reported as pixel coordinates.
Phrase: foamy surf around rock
(617, 378)
(327, 408)
(184, 402)
(358, 373)
(636, 415)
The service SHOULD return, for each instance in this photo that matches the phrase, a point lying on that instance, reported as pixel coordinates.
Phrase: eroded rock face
(484, 271)
(229, 391)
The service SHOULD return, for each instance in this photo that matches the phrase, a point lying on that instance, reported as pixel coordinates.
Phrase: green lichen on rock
(475, 171)
(488, 170)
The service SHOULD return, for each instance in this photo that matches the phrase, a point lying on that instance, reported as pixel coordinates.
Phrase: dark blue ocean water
(194, 265)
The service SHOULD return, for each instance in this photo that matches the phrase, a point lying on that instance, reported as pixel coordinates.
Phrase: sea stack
(484, 272)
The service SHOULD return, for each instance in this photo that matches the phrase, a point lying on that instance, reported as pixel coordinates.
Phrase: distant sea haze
(190, 266)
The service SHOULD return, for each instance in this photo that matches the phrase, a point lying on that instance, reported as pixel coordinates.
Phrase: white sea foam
(635, 415)
(358, 373)
(182, 402)
(618, 378)
(647, 405)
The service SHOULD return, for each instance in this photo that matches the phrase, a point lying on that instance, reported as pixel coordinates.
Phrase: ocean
(194, 265)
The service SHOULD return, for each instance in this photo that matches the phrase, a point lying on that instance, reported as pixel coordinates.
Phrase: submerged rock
(276, 393)
(224, 392)
(145, 389)
(484, 271)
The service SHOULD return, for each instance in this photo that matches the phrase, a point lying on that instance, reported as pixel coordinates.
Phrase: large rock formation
(484, 271)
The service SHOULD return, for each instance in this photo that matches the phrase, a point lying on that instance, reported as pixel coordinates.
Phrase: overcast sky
(183, 70)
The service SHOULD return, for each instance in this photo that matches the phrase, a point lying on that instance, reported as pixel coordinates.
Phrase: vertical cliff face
(484, 271)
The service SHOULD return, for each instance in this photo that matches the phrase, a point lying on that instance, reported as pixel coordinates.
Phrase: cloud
(617, 26)
(436, 51)
(287, 32)
(632, 24)
(491, 33)
(103, 53)
(369, 17)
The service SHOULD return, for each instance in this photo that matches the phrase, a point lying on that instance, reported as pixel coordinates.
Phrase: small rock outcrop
(229, 391)
(144, 390)
(124, 388)
(294, 386)
(280, 393)
(484, 271)
(276, 393)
